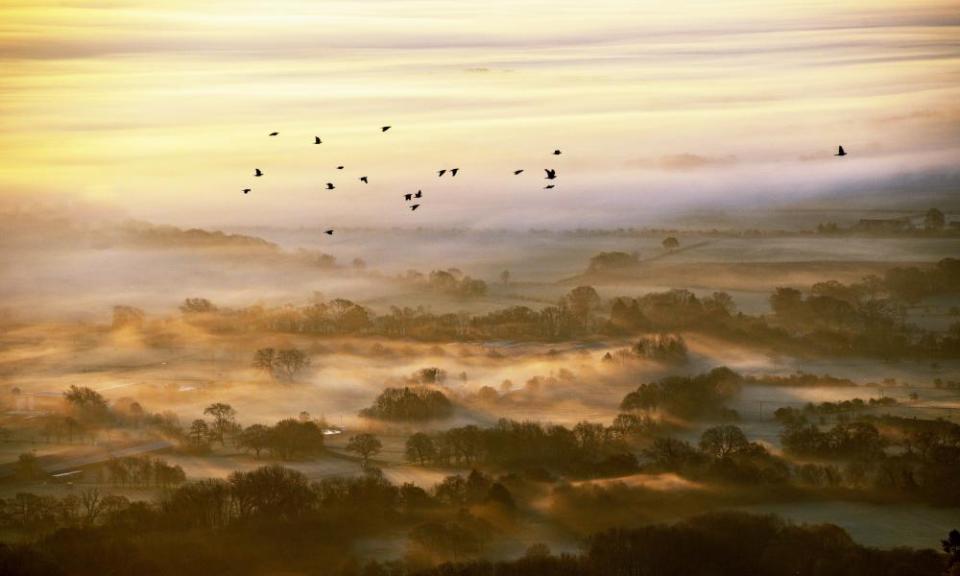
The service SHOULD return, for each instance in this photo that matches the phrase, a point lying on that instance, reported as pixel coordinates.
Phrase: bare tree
(366, 445)
(291, 361)
(92, 503)
(264, 359)
(223, 420)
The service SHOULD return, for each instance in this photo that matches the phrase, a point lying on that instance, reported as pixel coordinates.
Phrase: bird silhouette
(339, 167)
(551, 174)
(328, 232)
(419, 194)
(556, 152)
(441, 173)
(245, 190)
(274, 133)
(415, 206)
(548, 186)
(257, 172)
(364, 179)
(317, 140)
(454, 171)
(384, 128)
(330, 186)
(407, 197)
(515, 172)
(840, 152)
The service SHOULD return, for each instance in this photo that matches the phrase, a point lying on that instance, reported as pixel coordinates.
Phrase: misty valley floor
(112, 393)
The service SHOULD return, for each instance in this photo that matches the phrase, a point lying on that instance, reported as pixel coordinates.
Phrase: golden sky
(162, 108)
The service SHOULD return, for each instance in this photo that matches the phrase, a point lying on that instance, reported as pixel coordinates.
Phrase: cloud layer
(162, 108)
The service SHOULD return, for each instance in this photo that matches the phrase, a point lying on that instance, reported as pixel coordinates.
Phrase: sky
(160, 110)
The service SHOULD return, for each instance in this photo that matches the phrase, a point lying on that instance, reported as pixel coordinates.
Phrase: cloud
(681, 103)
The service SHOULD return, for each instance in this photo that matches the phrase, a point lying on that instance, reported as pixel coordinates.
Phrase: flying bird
(551, 174)
(257, 172)
(556, 152)
(329, 232)
(415, 206)
(419, 194)
(364, 179)
(407, 197)
(515, 172)
(339, 167)
(454, 171)
(317, 140)
(330, 186)
(245, 190)
(384, 128)
(441, 173)
(840, 152)
(274, 133)
(548, 186)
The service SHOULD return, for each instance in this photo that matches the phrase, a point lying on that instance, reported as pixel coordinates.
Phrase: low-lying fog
(55, 269)
(60, 285)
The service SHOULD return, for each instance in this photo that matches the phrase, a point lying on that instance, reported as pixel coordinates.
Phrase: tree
(670, 243)
(286, 363)
(646, 397)
(87, 404)
(934, 219)
(720, 302)
(581, 301)
(723, 441)
(199, 433)
(290, 361)
(409, 403)
(255, 438)
(203, 504)
(505, 277)
(537, 550)
(119, 472)
(629, 425)
(197, 306)
(672, 454)
(786, 302)
(124, 316)
(951, 547)
(264, 358)
(168, 475)
(272, 492)
(499, 495)
(366, 445)
(420, 448)
(453, 539)
(27, 467)
(291, 438)
(612, 261)
(223, 420)
(92, 504)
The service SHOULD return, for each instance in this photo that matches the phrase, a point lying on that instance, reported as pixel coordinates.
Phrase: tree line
(720, 544)
(913, 458)
(585, 450)
(250, 522)
(861, 318)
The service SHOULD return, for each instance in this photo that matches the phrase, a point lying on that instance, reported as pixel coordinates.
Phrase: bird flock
(413, 199)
